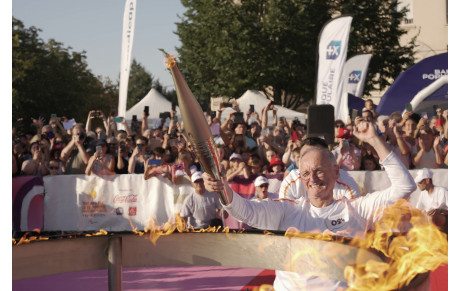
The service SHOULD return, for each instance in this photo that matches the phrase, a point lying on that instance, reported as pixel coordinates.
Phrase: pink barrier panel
(27, 202)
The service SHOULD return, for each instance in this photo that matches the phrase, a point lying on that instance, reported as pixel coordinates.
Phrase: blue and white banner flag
(126, 51)
(332, 53)
(355, 73)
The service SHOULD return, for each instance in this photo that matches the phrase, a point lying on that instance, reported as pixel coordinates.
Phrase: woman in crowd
(101, 162)
(237, 167)
(36, 166)
(139, 156)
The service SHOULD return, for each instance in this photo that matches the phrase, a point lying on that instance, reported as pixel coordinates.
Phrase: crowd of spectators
(249, 145)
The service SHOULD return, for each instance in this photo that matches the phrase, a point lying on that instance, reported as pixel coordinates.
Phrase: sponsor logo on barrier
(435, 75)
(132, 211)
(333, 49)
(354, 77)
(93, 207)
(131, 198)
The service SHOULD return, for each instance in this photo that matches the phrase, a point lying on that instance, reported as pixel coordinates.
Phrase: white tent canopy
(157, 104)
(260, 101)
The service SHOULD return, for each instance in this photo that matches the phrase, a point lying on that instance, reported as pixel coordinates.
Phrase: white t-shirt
(293, 188)
(353, 214)
(200, 209)
(435, 200)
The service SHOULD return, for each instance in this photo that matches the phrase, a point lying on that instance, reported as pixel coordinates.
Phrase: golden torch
(196, 127)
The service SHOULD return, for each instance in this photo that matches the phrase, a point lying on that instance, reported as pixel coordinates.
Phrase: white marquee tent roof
(157, 104)
(260, 101)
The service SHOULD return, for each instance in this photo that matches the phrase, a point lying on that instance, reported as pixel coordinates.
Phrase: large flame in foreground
(413, 244)
(405, 235)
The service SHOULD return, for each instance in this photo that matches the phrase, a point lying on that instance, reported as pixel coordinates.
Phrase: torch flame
(170, 61)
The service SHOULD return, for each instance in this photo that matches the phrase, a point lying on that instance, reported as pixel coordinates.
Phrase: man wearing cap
(347, 154)
(201, 207)
(262, 193)
(292, 187)
(276, 165)
(321, 212)
(432, 199)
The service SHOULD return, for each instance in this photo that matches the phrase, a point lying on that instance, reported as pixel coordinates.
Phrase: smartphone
(112, 111)
(409, 107)
(117, 119)
(175, 118)
(345, 143)
(213, 114)
(154, 162)
(134, 118)
(173, 107)
(53, 115)
(239, 117)
(146, 110)
(251, 108)
(226, 104)
(99, 149)
(139, 147)
(425, 115)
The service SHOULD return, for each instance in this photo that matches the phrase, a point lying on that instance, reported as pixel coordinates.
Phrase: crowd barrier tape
(128, 202)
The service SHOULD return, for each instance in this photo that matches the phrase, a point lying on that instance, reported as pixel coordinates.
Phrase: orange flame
(422, 249)
(404, 234)
(170, 61)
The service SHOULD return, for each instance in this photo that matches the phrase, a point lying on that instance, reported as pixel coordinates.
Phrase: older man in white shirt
(319, 172)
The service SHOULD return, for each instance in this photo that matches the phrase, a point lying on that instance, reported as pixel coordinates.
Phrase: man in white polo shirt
(432, 199)
(262, 193)
(201, 208)
(319, 172)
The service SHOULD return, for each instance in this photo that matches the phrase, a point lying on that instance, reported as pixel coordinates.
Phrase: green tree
(376, 30)
(140, 83)
(231, 46)
(49, 78)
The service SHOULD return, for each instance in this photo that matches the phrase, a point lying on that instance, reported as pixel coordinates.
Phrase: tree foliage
(49, 78)
(140, 83)
(231, 46)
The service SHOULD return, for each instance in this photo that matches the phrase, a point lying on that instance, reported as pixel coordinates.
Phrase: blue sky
(95, 26)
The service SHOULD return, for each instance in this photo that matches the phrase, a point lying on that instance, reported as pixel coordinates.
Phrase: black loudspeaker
(321, 122)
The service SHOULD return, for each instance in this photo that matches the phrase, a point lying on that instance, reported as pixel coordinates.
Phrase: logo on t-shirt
(337, 222)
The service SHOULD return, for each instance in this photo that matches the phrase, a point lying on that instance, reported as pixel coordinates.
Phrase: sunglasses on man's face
(54, 168)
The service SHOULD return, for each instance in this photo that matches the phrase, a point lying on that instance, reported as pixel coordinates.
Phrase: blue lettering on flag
(354, 77)
(333, 49)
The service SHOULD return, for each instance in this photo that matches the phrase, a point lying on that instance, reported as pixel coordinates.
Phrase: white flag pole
(352, 82)
(332, 53)
(126, 51)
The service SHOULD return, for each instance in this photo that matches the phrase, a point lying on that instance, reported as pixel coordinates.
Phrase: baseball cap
(196, 176)
(275, 161)
(423, 174)
(260, 181)
(343, 133)
(235, 156)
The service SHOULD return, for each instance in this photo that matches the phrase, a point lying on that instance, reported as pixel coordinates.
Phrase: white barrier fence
(127, 202)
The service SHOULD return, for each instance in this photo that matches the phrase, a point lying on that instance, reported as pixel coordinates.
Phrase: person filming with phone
(139, 156)
(101, 163)
(77, 153)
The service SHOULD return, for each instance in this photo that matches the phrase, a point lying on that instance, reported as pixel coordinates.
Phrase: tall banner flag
(355, 73)
(126, 50)
(352, 82)
(332, 53)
